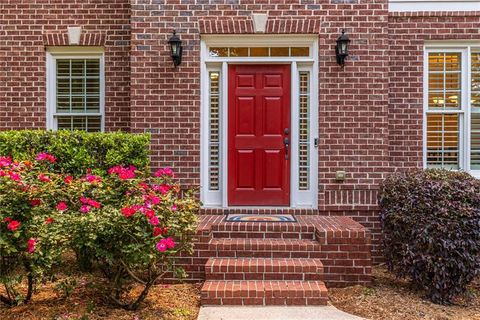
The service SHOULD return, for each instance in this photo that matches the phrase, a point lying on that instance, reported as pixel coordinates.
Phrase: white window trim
(219, 198)
(465, 49)
(54, 53)
(433, 5)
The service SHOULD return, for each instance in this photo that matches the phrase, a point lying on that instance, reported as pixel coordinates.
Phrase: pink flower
(94, 203)
(7, 219)
(174, 207)
(13, 225)
(62, 206)
(5, 161)
(164, 172)
(169, 243)
(15, 176)
(68, 179)
(45, 156)
(165, 244)
(154, 221)
(31, 245)
(49, 220)
(92, 178)
(35, 202)
(155, 199)
(161, 246)
(43, 178)
(128, 211)
(163, 188)
(85, 209)
(123, 173)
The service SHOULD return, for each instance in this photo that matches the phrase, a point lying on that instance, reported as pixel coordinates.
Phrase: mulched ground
(387, 298)
(172, 302)
(392, 299)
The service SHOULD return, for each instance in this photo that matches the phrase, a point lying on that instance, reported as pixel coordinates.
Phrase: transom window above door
(259, 51)
(75, 90)
(452, 108)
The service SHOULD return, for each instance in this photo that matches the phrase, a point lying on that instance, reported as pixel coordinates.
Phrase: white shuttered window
(452, 109)
(75, 91)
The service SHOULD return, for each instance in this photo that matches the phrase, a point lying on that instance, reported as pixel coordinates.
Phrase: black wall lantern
(341, 49)
(176, 49)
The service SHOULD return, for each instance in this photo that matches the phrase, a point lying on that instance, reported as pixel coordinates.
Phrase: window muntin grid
(259, 52)
(214, 131)
(444, 109)
(304, 131)
(78, 92)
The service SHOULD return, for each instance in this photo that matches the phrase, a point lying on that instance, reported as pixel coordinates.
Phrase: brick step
(263, 230)
(264, 248)
(263, 269)
(263, 293)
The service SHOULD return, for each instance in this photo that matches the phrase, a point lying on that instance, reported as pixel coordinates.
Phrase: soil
(386, 298)
(392, 299)
(85, 302)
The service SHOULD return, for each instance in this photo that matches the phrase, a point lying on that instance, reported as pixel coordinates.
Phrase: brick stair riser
(264, 301)
(265, 276)
(264, 231)
(263, 235)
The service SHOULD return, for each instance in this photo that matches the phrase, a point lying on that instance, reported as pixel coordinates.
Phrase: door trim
(298, 198)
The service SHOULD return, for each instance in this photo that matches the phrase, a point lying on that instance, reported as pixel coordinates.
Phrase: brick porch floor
(269, 263)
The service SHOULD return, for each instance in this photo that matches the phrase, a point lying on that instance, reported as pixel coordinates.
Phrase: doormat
(235, 217)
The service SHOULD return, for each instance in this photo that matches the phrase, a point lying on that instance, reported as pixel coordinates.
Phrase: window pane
(78, 85)
(304, 131)
(219, 52)
(238, 52)
(90, 123)
(279, 52)
(443, 140)
(300, 52)
(258, 52)
(214, 131)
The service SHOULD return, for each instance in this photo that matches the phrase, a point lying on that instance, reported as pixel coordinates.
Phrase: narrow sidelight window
(214, 131)
(76, 92)
(304, 131)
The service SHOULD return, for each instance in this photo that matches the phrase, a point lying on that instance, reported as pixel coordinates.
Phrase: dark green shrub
(78, 151)
(431, 226)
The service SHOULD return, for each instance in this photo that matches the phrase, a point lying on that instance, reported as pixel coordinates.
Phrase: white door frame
(298, 198)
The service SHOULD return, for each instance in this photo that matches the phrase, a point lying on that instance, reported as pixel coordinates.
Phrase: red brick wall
(407, 35)
(27, 26)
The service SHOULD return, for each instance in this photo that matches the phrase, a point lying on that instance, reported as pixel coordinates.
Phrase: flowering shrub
(131, 226)
(31, 239)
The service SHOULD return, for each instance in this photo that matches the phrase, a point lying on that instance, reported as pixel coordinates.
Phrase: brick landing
(268, 263)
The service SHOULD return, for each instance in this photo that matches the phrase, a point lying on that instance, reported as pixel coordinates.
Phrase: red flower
(15, 176)
(49, 220)
(7, 219)
(13, 225)
(128, 211)
(31, 245)
(159, 231)
(149, 213)
(68, 179)
(94, 203)
(62, 206)
(35, 202)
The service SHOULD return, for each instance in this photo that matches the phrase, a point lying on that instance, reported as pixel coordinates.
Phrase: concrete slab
(274, 313)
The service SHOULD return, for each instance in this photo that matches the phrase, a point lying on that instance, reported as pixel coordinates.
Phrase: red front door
(259, 135)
